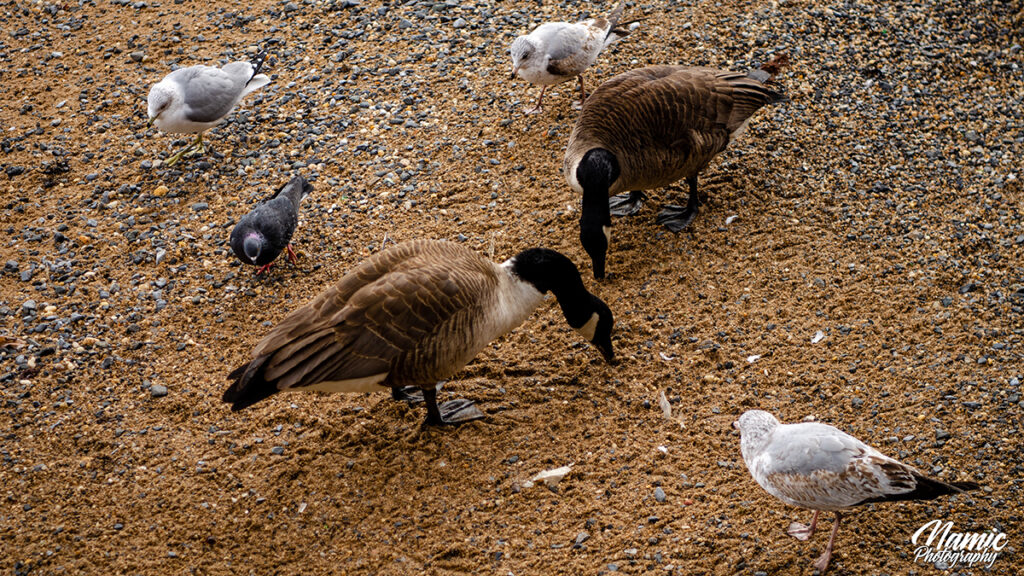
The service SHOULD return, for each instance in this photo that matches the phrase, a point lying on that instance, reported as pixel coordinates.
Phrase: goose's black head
(595, 173)
(550, 271)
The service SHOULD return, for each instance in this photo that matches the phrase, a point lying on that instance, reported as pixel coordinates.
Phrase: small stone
(137, 56)
(659, 494)
(277, 450)
(941, 434)
(157, 390)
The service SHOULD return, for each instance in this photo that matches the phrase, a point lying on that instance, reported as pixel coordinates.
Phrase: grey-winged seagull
(194, 99)
(819, 467)
(555, 52)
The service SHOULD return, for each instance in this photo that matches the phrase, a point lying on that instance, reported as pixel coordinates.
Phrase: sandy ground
(880, 206)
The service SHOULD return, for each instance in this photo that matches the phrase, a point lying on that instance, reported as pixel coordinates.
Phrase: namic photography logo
(938, 544)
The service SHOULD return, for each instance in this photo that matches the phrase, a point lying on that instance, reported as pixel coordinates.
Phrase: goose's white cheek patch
(588, 329)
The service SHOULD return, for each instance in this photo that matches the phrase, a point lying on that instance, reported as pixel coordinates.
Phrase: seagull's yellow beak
(515, 70)
(149, 123)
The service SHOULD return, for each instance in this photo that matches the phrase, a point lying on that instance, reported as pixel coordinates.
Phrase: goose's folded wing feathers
(373, 318)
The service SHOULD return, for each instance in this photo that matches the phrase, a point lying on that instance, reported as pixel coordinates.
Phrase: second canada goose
(648, 128)
(413, 315)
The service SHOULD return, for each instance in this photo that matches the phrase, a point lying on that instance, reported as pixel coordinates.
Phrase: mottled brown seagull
(822, 468)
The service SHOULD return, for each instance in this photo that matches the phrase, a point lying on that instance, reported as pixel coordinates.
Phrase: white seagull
(559, 51)
(819, 467)
(194, 99)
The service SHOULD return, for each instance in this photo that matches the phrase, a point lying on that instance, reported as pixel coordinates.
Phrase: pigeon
(556, 52)
(194, 99)
(261, 235)
(819, 467)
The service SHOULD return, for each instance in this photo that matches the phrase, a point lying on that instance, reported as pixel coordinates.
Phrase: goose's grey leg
(677, 218)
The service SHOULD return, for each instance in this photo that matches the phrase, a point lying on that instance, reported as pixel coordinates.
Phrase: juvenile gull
(559, 51)
(194, 99)
(261, 235)
(819, 467)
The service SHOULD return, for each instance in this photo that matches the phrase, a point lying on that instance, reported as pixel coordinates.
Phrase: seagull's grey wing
(573, 49)
(820, 467)
(210, 93)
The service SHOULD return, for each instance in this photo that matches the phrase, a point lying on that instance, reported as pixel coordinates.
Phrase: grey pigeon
(261, 235)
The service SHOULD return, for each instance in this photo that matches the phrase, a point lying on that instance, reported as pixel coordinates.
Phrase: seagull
(194, 99)
(555, 52)
(819, 467)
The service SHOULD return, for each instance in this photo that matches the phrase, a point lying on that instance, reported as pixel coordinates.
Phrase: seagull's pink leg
(583, 91)
(536, 108)
(291, 254)
(822, 562)
(802, 531)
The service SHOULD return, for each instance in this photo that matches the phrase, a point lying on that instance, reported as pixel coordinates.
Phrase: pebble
(659, 494)
(157, 390)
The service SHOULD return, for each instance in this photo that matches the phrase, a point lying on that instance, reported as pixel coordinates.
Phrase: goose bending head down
(646, 129)
(411, 316)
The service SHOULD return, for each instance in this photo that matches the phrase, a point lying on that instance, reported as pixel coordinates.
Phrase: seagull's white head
(755, 428)
(524, 52)
(163, 98)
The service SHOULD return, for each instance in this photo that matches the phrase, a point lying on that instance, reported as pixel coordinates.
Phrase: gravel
(880, 205)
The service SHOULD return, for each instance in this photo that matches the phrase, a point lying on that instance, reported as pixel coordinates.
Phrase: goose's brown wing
(382, 317)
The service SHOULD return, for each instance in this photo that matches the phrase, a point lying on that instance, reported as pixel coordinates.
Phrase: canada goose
(648, 128)
(819, 467)
(556, 52)
(194, 99)
(261, 235)
(410, 316)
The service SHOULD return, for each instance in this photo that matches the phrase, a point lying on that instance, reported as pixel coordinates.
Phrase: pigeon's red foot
(291, 254)
(263, 268)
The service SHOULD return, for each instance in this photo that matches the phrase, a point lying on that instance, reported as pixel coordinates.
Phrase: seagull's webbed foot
(800, 531)
(537, 108)
(626, 204)
(803, 532)
(195, 148)
(821, 564)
